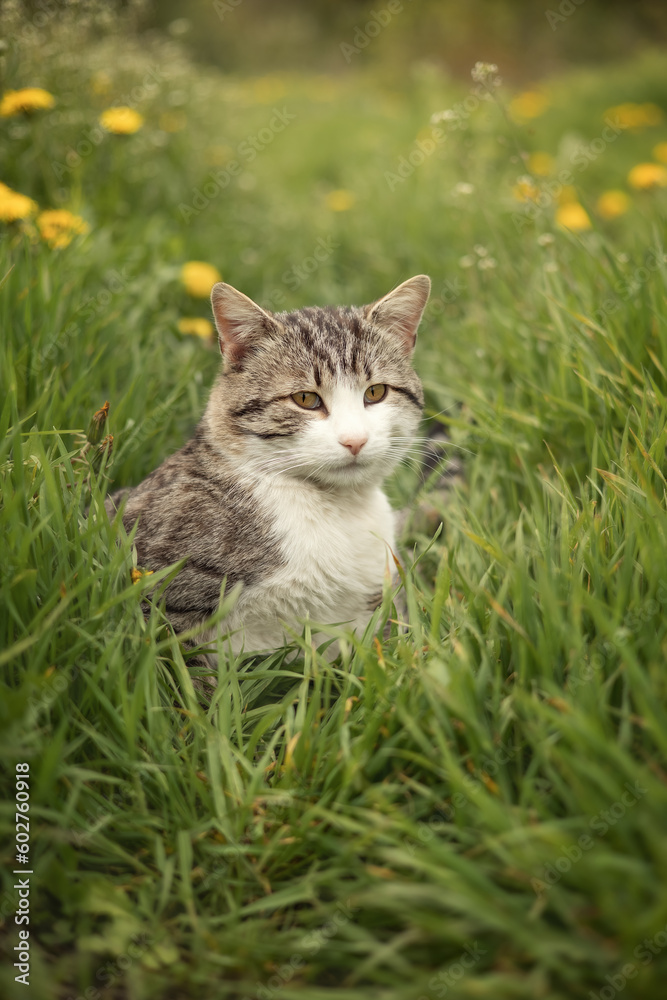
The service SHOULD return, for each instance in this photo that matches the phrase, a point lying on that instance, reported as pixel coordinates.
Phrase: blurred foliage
(373, 817)
(528, 39)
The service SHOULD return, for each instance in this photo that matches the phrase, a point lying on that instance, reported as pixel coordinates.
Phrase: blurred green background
(528, 39)
(433, 787)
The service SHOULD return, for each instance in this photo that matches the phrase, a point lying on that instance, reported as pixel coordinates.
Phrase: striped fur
(274, 496)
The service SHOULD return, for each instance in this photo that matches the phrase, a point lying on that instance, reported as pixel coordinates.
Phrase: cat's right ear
(399, 312)
(239, 321)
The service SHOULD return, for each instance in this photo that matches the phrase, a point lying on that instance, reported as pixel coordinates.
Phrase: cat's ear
(240, 322)
(399, 312)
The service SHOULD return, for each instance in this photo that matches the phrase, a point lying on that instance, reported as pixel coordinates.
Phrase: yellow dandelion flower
(635, 116)
(340, 200)
(137, 574)
(541, 164)
(647, 175)
(573, 216)
(14, 206)
(29, 99)
(613, 203)
(660, 152)
(57, 226)
(530, 104)
(525, 190)
(199, 278)
(121, 120)
(197, 326)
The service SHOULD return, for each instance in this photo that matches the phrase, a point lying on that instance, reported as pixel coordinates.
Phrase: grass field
(476, 808)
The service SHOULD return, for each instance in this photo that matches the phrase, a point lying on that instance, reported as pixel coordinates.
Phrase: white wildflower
(483, 72)
(444, 116)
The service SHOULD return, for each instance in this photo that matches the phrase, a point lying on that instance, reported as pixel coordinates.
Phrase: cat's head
(327, 394)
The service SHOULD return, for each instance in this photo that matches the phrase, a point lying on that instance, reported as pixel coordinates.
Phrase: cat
(280, 488)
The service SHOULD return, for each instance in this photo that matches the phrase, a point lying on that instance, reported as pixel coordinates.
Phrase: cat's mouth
(351, 470)
(341, 471)
(353, 462)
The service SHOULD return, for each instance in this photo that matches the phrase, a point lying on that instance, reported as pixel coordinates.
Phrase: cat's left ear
(399, 312)
(240, 322)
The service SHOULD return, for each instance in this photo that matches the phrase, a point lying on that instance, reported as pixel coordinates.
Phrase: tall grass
(473, 808)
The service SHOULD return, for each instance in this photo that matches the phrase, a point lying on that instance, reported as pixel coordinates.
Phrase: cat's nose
(353, 444)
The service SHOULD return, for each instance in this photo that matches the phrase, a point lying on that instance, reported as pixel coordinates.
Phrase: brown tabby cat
(280, 487)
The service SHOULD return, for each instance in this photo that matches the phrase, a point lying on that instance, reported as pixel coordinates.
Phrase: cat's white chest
(336, 552)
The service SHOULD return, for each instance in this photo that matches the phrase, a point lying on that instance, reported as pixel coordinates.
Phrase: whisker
(415, 452)
(274, 461)
(431, 416)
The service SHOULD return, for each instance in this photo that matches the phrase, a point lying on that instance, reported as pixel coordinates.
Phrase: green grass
(350, 829)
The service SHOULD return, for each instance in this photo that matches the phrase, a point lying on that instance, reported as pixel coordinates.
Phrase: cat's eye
(375, 393)
(307, 400)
